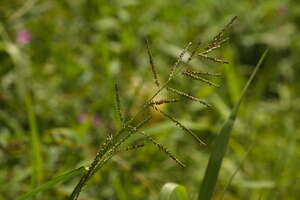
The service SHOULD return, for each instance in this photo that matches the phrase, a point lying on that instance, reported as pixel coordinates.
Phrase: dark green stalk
(103, 149)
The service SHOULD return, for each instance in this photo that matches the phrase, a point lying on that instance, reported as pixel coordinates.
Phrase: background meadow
(58, 64)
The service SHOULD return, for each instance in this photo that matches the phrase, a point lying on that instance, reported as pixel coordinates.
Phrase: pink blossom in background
(23, 37)
(82, 117)
(96, 121)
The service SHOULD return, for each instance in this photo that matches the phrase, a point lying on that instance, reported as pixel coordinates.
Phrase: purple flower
(23, 36)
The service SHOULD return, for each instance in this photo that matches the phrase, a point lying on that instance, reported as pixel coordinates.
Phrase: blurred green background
(58, 63)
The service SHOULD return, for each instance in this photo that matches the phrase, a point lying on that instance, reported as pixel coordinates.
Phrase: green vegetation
(73, 73)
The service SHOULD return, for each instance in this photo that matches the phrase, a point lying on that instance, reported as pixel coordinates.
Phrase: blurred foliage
(61, 58)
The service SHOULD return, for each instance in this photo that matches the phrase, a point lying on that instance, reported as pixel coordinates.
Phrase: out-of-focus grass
(22, 66)
(78, 48)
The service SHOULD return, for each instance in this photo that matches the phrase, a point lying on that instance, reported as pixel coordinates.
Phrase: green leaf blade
(51, 183)
(220, 144)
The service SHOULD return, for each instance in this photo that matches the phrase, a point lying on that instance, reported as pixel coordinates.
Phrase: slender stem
(85, 177)
(103, 155)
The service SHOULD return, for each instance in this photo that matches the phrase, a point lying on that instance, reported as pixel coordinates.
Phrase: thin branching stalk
(112, 144)
(110, 148)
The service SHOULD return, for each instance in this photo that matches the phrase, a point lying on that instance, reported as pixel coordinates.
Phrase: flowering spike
(164, 101)
(162, 148)
(142, 123)
(188, 96)
(186, 73)
(152, 64)
(213, 59)
(181, 126)
(179, 60)
(118, 107)
(217, 40)
(203, 73)
(129, 148)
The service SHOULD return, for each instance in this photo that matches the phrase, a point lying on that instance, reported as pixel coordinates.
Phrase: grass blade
(236, 171)
(51, 183)
(173, 191)
(221, 142)
(22, 66)
(37, 161)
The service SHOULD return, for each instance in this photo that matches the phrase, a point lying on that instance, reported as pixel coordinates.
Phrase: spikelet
(181, 126)
(129, 148)
(143, 122)
(152, 64)
(194, 52)
(118, 106)
(213, 59)
(203, 73)
(187, 73)
(207, 51)
(188, 96)
(104, 147)
(163, 101)
(162, 148)
(179, 60)
(220, 36)
(131, 131)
